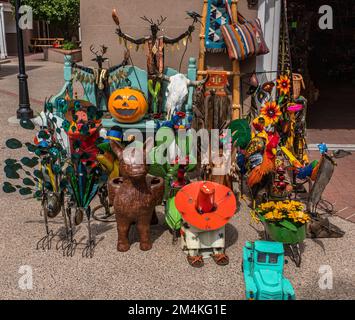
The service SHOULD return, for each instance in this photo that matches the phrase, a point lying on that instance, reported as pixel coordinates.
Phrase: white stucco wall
(7, 25)
(3, 52)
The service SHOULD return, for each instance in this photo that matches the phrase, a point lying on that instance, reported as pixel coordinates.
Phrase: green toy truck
(263, 263)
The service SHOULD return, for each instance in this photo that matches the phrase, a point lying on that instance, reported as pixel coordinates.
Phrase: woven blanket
(217, 16)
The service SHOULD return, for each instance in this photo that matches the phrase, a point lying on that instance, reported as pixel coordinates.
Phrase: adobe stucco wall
(98, 28)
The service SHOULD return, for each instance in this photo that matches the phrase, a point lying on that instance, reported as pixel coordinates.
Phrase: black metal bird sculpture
(195, 16)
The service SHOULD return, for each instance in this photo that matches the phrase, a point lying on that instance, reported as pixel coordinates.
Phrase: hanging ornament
(184, 42)
(120, 75)
(120, 40)
(154, 49)
(137, 47)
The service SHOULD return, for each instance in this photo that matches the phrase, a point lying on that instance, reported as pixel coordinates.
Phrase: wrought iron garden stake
(88, 251)
(45, 243)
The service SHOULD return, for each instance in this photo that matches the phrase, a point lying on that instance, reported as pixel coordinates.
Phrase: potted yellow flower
(284, 221)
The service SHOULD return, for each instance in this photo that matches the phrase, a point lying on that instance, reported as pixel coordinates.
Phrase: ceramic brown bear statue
(136, 195)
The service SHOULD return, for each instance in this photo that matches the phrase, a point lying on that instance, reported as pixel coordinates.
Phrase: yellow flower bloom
(290, 210)
(267, 206)
(299, 216)
(284, 85)
(274, 215)
(271, 112)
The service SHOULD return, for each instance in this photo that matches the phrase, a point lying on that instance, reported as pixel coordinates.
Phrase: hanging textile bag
(243, 38)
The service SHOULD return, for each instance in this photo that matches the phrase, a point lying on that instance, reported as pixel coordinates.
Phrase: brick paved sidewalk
(331, 136)
(44, 80)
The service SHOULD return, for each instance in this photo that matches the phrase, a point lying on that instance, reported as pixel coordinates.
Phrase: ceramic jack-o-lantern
(128, 105)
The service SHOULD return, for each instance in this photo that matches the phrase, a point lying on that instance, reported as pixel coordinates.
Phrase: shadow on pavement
(335, 108)
(231, 235)
(9, 70)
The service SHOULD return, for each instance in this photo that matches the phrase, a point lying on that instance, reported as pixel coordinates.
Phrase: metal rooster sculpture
(261, 156)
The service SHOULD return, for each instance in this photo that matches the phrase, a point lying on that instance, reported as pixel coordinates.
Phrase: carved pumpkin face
(127, 105)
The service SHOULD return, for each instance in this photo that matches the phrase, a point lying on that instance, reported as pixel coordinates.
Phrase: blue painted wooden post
(192, 75)
(68, 85)
(68, 73)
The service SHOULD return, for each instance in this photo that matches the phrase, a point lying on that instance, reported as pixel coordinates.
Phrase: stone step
(3, 61)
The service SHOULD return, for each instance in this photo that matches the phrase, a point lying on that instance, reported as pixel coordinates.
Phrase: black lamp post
(24, 110)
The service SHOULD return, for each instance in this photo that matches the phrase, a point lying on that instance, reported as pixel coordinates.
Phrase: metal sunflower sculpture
(271, 112)
(284, 85)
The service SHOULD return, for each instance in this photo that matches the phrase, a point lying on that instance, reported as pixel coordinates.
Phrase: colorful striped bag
(243, 38)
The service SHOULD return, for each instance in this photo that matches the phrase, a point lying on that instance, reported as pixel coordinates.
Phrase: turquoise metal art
(136, 77)
(263, 263)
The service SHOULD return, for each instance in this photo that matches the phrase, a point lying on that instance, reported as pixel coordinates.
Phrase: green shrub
(68, 45)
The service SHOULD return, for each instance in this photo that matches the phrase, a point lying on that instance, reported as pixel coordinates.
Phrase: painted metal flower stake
(63, 180)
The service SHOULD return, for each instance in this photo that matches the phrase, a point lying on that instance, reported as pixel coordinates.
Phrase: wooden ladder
(235, 73)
